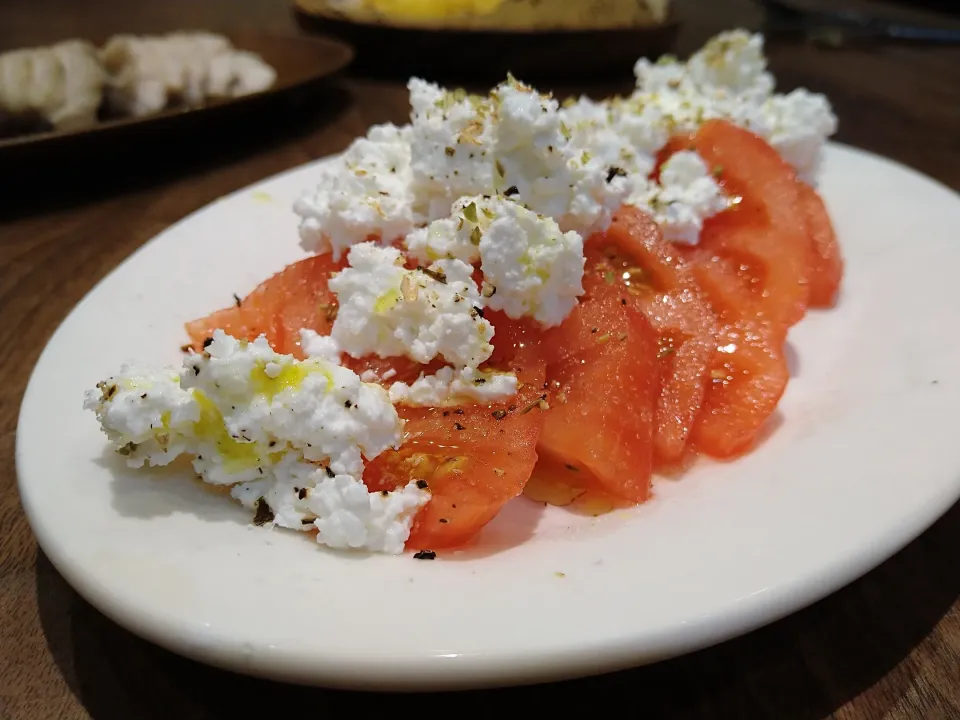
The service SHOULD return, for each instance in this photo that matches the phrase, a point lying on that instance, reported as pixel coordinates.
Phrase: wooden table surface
(887, 646)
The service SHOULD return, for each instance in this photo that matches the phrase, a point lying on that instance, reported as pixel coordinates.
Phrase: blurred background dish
(73, 85)
(481, 40)
(501, 15)
(295, 63)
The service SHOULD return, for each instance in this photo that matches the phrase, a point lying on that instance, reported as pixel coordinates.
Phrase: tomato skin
(748, 373)
(826, 261)
(294, 298)
(755, 265)
(474, 458)
(667, 295)
(232, 320)
(766, 230)
(473, 464)
(747, 380)
(603, 377)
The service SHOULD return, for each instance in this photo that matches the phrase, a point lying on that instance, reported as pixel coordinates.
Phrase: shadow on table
(805, 666)
(70, 171)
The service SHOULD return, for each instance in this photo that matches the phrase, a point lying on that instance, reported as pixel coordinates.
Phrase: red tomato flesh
(747, 380)
(647, 272)
(765, 232)
(475, 458)
(604, 382)
(826, 264)
(294, 298)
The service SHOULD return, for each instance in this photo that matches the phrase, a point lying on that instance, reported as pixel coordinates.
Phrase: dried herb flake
(613, 172)
(437, 275)
(264, 513)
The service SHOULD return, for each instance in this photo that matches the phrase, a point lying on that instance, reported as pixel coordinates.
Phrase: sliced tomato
(475, 458)
(764, 233)
(235, 321)
(826, 263)
(604, 381)
(308, 302)
(747, 380)
(649, 275)
(294, 298)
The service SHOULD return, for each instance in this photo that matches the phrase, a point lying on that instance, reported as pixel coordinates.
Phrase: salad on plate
(510, 296)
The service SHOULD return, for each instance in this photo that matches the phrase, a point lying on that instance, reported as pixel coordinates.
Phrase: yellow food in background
(495, 14)
(433, 9)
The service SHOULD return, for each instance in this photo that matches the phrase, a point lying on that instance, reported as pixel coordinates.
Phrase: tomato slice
(603, 376)
(474, 458)
(764, 233)
(294, 298)
(747, 381)
(650, 276)
(826, 263)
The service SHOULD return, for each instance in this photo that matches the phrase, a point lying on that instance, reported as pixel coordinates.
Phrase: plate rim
(467, 671)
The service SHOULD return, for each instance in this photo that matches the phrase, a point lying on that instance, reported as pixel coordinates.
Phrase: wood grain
(887, 646)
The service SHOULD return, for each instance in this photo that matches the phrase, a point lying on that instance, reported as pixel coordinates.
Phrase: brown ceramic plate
(489, 55)
(298, 61)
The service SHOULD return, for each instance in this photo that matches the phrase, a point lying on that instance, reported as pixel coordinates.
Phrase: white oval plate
(864, 459)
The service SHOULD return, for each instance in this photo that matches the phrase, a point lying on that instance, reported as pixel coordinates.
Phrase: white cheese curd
(286, 433)
(450, 146)
(455, 387)
(624, 137)
(289, 478)
(321, 410)
(732, 61)
(512, 140)
(340, 507)
(388, 310)
(730, 65)
(320, 346)
(145, 414)
(350, 517)
(365, 194)
(728, 79)
(537, 163)
(614, 137)
(687, 195)
(529, 266)
(453, 238)
(799, 124)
